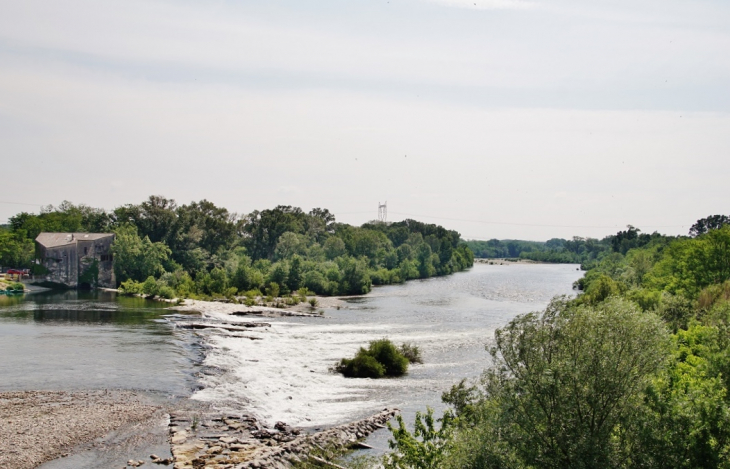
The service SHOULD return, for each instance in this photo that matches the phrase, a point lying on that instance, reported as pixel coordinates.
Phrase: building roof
(53, 240)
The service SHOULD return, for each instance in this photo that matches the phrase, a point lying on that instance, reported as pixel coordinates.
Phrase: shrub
(130, 287)
(362, 366)
(273, 289)
(380, 355)
(166, 292)
(15, 286)
(411, 352)
(313, 302)
(149, 287)
(385, 352)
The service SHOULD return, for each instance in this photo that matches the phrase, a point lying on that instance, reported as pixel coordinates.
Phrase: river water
(284, 376)
(92, 340)
(97, 340)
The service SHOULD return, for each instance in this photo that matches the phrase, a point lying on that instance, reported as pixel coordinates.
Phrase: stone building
(77, 260)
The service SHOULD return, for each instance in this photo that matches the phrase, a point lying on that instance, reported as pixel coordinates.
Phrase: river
(98, 340)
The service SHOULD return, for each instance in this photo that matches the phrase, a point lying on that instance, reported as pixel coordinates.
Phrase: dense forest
(202, 250)
(632, 373)
(585, 251)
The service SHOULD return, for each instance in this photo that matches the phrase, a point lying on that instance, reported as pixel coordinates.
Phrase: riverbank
(38, 426)
(114, 428)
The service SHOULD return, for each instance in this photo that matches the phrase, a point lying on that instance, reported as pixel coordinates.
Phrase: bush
(381, 358)
(362, 366)
(15, 286)
(149, 287)
(130, 287)
(386, 353)
(273, 289)
(166, 292)
(411, 352)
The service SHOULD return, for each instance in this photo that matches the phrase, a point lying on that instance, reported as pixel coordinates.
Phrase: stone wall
(62, 264)
(77, 263)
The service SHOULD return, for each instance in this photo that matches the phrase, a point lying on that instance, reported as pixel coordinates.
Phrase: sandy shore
(39, 426)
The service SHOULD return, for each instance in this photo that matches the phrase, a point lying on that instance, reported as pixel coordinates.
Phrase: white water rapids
(285, 376)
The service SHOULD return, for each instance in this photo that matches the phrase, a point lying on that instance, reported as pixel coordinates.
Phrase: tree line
(634, 372)
(203, 250)
(579, 250)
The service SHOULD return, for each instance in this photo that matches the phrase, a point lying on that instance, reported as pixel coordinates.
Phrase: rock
(215, 450)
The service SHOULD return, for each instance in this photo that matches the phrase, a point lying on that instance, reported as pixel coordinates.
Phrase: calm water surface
(92, 340)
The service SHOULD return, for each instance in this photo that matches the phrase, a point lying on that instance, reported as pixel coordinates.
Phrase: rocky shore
(238, 441)
(38, 426)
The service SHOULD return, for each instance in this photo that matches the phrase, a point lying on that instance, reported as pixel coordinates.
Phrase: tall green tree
(137, 258)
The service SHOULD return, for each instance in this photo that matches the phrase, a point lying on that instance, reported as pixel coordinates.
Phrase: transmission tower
(383, 212)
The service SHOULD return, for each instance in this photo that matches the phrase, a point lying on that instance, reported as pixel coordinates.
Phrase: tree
(136, 258)
(713, 222)
(263, 229)
(689, 265)
(294, 279)
(686, 420)
(568, 382)
(355, 279)
(334, 247)
(15, 251)
(290, 244)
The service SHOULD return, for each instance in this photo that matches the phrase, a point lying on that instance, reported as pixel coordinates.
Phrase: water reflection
(92, 340)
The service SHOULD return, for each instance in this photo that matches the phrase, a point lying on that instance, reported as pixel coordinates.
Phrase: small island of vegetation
(381, 359)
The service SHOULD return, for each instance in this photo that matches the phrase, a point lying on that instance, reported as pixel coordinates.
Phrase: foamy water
(285, 375)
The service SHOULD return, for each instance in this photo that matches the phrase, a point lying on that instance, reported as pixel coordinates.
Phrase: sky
(520, 119)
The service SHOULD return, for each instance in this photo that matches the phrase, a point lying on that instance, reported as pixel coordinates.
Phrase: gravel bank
(37, 426)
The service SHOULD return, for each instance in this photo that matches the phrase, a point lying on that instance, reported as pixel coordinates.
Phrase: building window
(86, 250)
(107, 257)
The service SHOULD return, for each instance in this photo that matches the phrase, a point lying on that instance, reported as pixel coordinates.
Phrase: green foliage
(221, 251)
(90, 274)
(713, 222)
(130, 287)
(567, 355)
(690, 265)
(411, 352)
(136, 258)
(597, 381)
(66, 218)
(380, 359)
(166, 292)
(273, 289)
(686, 420)
(363, 365)
(149, 286)
(15, 286)
(15, 250)
(426, 448)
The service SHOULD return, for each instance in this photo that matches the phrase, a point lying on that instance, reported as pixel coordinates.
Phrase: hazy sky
(498, 118)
